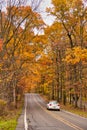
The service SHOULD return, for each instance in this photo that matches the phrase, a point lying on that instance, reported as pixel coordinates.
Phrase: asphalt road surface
(39, 118)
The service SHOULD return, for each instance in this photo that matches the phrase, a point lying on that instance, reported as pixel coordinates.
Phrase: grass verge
(72, 109)
(9, 120)
(8, 125)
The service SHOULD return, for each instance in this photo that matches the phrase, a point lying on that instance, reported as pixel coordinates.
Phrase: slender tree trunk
(64, 97)
(75, 86)
(80, 71)
(53, 90)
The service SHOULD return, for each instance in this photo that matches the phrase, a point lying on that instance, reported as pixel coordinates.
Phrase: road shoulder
(20, 125)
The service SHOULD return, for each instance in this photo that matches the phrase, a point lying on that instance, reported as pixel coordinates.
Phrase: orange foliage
(76, 55)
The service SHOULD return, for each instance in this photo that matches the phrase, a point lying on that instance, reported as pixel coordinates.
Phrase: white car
(53, 105)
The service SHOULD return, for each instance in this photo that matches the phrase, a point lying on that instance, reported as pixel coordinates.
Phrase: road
(39, 118)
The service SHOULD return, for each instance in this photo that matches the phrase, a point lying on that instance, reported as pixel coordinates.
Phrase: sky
(44, 4)
(47, 19)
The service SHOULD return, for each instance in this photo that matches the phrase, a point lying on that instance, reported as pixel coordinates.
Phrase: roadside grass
(72, 109)
(9, 120)
(8, 125)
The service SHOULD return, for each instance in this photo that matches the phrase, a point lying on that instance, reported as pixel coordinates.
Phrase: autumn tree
(17, 55)
(72, 15)
(56, 52)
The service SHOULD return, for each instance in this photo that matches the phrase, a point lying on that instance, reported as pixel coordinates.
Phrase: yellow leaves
(0, 66)
(76, 55)
(40, 40)
(1, 44)
(54, 32)
(20, 11)
(59, 2)
(38, 18)
(48, 10)
(45, 61)
(63, 2)
(27, 56)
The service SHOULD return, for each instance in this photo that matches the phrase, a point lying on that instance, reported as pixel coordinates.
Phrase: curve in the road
(61, 119)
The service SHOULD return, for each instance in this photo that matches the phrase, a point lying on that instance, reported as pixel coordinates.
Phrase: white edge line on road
(61, 119)
(25, 118)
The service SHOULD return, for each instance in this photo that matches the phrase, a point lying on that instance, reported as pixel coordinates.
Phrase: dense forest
(53, 63)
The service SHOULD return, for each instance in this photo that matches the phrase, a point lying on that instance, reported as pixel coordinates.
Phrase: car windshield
(53, 102)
